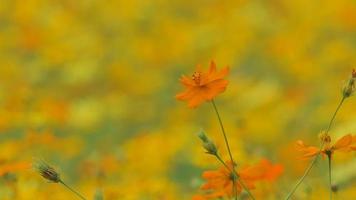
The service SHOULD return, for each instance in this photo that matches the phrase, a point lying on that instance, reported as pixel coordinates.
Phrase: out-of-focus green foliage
(89, 86)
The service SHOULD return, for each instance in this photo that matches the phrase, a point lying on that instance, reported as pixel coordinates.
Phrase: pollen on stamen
(196, 77)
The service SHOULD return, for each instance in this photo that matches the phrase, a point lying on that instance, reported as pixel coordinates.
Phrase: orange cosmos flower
(346, 143)
(220, 182)
(203, 86)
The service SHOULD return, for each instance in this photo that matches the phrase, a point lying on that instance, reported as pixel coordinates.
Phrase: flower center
(232, 176)
(196, 77)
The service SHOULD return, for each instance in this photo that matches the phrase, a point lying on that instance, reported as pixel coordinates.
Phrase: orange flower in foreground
(346, 143)
(203, 86)
(220, 182)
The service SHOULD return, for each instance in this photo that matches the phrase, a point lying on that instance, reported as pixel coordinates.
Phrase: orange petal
(212, 68)
(211, 174)
(353, 139)
(300, 145)
(311, 151)
(187, 94)
(308, 151)
(272, 171)
(187, 81)
(343, 142)
(196, 100)
(214, 75)
(214, 88)
(353, 145)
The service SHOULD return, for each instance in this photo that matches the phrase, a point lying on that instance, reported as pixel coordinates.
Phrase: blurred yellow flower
(13, 167)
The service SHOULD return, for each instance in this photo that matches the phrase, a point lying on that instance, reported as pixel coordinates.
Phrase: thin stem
(306, 172)
(223, 131)
(230, 154)
(245, 187)
(234, 190)
(330, 186)
(222, 162)
(312, 163)
(234, 181)
(334, 115)
(71, 189)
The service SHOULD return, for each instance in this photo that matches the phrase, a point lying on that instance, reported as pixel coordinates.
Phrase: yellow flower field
(176, 100)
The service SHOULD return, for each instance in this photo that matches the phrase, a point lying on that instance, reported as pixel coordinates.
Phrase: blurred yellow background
(89, 86)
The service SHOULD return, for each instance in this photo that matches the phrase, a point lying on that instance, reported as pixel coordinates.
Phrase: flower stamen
(196, 77)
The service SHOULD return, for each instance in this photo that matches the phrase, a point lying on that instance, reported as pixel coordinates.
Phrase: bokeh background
(89, 86)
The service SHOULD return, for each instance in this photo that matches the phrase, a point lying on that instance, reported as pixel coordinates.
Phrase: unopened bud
(203, 136)
(208, 145)
(46, 171)
(349, 87)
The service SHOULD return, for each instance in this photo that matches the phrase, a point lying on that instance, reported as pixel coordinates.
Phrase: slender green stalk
(234, 190)
(246, 189)
(312, 163)
(230, 154)
(334, 115)
(233, 181)
(222, 162)
(306, 172)
(223, 131)
(330, 186)
(71, 189)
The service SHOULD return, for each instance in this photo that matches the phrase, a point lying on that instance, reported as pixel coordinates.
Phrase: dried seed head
(46, 171)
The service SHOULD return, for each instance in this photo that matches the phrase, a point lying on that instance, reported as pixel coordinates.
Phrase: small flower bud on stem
(49, 173)
(349, 87)
(208, 145)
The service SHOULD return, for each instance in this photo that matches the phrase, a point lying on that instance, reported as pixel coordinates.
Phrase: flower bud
(208, 145)
(46, 171)
(349, 87)
(203, 136)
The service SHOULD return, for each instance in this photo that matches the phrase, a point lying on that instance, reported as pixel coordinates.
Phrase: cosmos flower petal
(212, 68)
(308, 151)
(343, 142)
(203, 86)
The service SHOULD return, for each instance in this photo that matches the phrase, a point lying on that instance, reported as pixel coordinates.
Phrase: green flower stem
(223, 131)
(230, 154)
(234, 180)
(334, 115)
(306, 172)
(330, 186)
(312, 163)
(72, 190)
